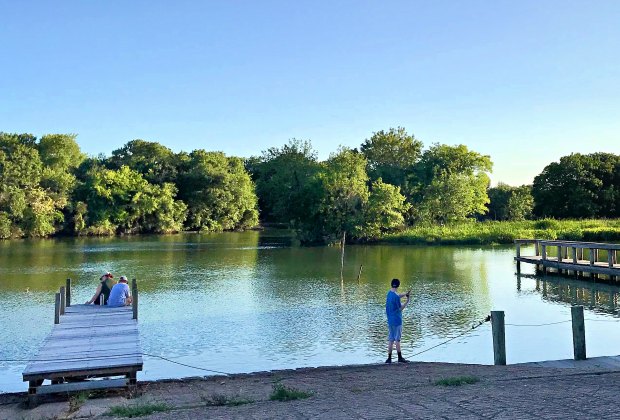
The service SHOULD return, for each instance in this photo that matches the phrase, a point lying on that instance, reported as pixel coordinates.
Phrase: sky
(525, 82)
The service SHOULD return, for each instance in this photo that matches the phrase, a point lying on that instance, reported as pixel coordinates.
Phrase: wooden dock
(88, 346)
(576, 258)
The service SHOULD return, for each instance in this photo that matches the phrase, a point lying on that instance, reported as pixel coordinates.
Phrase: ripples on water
(241, 302)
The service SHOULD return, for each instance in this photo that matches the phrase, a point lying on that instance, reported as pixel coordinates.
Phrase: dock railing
(575, 260)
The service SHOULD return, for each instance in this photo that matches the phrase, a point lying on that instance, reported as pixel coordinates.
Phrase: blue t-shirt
(119, 293)
(392, 309)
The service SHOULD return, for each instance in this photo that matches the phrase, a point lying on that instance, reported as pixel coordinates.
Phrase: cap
(122, 278)
(395, 282)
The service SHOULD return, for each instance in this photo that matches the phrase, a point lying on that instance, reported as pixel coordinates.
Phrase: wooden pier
(88, 346)
(576, 258)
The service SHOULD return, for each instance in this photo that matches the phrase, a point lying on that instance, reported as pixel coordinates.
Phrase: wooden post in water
(559, 259)
(57, 309)
(544, 258)
(68, 291)
(63, 301)
(579, 333)
(499, 337)
(610, 262)
(518, 256)
(359, 275)
(344, 239)
(536, 248)
(134, 298)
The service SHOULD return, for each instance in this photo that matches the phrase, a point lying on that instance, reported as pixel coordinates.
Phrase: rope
(473, 327)
(538, 325)
(77, 359)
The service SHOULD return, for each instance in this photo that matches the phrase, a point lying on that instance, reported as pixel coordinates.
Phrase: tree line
(48, 186)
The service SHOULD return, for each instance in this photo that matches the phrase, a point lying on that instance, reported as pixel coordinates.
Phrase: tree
(157, 163)
(391, 155)
(123, 201)
(451, 184)
(510, 203)
(579, 186)
(218, 192)
(281, 176)
(384, 210)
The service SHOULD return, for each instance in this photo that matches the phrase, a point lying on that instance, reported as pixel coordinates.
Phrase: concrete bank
(368, 392)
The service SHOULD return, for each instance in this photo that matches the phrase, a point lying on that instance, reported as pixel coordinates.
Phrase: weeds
(457, 381)
(283, 393)
(223, 400)
(77, 400)
(493, 232)
(137, 410)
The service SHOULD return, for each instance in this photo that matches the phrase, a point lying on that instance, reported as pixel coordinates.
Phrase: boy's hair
(395, 282)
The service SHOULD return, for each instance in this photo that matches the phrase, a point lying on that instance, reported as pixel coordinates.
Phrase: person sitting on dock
(119, 296)
(106, 282)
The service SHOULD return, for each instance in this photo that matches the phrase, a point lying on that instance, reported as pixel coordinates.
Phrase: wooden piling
(68, 292)
(57, 309)
(359, 274)
(499, 337)
(62, 300)
(134, 298)
(579, 333)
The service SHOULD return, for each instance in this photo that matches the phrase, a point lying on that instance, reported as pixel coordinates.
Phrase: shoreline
(413, 390)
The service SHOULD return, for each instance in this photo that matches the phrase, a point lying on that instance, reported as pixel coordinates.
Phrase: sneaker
(402, 360)
(389, 360)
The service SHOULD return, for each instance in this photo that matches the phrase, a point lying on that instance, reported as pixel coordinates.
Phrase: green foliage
(283, 393)
(495, 232)
(138, 410)
(157, 163)
(457, 381)
(451, 184)
(391, 155)
(122, 200)
(218, 192)
(510, 203)
(219, 400)
(283, 177)
(579, 186)
(384, 211)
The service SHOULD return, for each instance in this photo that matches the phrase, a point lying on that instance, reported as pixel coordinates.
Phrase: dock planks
(90, 341)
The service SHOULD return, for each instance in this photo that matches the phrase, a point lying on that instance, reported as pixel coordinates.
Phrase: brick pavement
(372, 392)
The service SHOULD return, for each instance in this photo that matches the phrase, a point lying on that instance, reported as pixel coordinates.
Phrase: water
(244, 302)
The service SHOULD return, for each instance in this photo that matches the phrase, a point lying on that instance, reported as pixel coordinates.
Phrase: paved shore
(394, 391)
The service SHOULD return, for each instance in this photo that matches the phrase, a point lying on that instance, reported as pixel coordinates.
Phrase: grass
(223, 400)
(284, 393)
(457, 381)
(77, 400)
(137, 410)
(493, 232)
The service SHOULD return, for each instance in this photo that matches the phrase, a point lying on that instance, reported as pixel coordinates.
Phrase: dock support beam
(63, 300)
(499, 337)
(68, 289)
(57, 309)
(579, 333)
(134, 298)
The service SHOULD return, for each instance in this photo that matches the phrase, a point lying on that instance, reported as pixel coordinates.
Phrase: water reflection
(241, 302)
(598, 297)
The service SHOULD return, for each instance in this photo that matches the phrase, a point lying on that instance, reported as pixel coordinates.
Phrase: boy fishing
(393, 310)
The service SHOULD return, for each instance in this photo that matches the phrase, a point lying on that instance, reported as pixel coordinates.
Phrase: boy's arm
(402, 307)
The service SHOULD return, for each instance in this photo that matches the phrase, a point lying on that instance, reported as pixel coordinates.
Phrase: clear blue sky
(522, 81)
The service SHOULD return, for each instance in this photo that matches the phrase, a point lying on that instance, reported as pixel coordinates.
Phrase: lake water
(245, 302)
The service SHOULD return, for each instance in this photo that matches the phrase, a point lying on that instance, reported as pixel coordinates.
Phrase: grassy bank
(478, 233)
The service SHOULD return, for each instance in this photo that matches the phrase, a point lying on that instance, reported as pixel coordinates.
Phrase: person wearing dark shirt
(394, 312)
(106, 282)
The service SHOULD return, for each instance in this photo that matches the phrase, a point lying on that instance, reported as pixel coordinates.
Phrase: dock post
(359, 275)
(559, 259)
(134, 298)
(518, 250)
(499, 337)
(610, 262)
(579, 333)
(63, 300)
(536, 248)
(544, 258)
(57, 309)
(68, 289)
